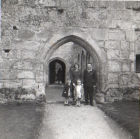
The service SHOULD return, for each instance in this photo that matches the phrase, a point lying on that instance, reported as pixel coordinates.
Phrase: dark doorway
(57, 72)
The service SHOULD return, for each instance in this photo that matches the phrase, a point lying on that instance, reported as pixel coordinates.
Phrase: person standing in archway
(90, 81)
(75, 74)
(60, 76)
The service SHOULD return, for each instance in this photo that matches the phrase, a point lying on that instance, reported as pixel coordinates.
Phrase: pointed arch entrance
(98, 56)
(57, 71)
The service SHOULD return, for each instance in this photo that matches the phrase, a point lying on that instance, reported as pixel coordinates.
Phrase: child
(78, 92)
(67, 92)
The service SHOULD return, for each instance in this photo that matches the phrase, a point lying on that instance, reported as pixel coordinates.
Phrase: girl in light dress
(78, 92)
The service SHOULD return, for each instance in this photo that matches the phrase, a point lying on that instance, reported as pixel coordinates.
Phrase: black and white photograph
(69, 69)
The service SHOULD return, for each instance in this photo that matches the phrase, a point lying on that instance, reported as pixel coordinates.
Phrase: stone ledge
(20, 95)
(125, 93)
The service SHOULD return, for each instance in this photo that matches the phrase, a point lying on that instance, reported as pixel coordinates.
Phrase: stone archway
(84, 44)
(57, 71)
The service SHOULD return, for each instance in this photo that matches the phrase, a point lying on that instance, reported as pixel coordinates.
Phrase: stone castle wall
(31, 28)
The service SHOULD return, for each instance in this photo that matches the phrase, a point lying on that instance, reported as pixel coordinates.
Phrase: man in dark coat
(89, 80)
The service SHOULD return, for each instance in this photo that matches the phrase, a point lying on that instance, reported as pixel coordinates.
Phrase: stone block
(4, 74)
(1, 85)
(17, 65)
(1, 59)
(12, 84)
(6, 64)
(28, 45)
(137, 33)
(117, 23)
(132, 46)
(112, 45)
(48, 3)
(12, 54)
(133, 67)
(28, 54)
(39, 77)
(99, 34)
(96, 4)
(19, 54)
(130, 35)
(113, 78)
(25, 75)
(90, 4)
(113, 54)
(129, 80)
(124, 80)
(132, 4)
(44, 34)
(101, 44)
(137, 16)
(119, 15)
(117, 5)
(137, 46)
(126, 67)
(27, 65)
(124, 54)
(95, 14)
(24, 65)
(103, 4)
(114, 66)
(13, 74)
(132, 56)
(125, 45)
(116, 35)
(25, 34)
(28, 83)
(39, 67)
(134, 80)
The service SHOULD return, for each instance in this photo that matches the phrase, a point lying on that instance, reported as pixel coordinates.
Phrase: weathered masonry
(37, 33)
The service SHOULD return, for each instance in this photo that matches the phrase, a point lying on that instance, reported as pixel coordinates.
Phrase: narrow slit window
(138, 63)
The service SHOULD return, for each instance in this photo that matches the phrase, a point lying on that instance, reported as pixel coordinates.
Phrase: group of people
(80, 87)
